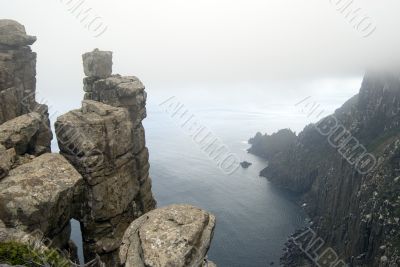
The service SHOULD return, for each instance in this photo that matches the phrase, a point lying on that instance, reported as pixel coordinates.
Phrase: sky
(254, 51)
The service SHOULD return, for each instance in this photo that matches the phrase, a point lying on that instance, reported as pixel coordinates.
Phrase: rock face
(36, 192)
(17, 72)
(177, 235)
(97, 64)
(117, 186)
(354, 204)
(38, 196)
(101, 177)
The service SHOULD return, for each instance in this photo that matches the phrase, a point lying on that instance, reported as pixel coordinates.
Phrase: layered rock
(36, 192)
(90, 139)
(17, 71)
(177, 235)
(38, 196)
(125, 92)
(354, 204)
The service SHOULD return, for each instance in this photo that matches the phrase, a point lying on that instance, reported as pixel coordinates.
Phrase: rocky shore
(100, 177)
(346, 169)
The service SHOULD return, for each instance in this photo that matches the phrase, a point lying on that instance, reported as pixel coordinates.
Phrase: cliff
(100, 177)
(346, 168)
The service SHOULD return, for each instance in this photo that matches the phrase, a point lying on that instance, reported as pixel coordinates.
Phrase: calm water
(253, 218)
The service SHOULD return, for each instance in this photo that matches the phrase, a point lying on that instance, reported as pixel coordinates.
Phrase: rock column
(105, 142)
(126, 92)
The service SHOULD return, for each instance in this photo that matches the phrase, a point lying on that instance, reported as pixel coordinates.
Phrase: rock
(11, 99)
(7, 158)
(13, 34)
(177, 235)
(19, 132)
(90, 138)
(119, 91)
(28, 133)
(245, 164)
(349, 198)
(97, 63)
(39, 196)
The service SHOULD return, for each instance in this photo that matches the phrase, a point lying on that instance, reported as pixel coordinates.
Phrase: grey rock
(39, 195)
(7, 158)
(13, 33)
(177, 235)
(90, 138)
(97, 63)
(19, 132)
(119, 91)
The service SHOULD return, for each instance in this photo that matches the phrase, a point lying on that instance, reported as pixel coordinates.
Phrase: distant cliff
(347, 169)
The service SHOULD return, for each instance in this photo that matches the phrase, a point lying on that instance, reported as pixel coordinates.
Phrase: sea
(254, 218)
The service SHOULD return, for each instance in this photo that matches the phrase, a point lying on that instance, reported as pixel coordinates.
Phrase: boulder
(7, 158)
(177, 235)
(39, 196)
(97, 63)
(13, 33)
(29, 133)
(18, 133)
(119, 91)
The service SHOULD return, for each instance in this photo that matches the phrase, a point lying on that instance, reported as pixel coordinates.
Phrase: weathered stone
(119, 91)
(6, 79)
(97, 63)
(10, 100)
(13, 34)
(90, 139)
(18, 133)
(39, 195)
(177, 235)
(7, 158)
(94, 133)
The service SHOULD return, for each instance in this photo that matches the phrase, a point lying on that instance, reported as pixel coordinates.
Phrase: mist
(253, 52)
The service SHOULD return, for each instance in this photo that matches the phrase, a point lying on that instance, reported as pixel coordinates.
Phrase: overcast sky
(213, 45)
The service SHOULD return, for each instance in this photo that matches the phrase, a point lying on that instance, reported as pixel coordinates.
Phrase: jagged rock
(90, 138)
(27, 134)
(7, 158)
(13, 34)
(18, 133)
(352, 206)
(12, 108)
(39, 196)
(97, 63)
(177, 235)
(119, 91)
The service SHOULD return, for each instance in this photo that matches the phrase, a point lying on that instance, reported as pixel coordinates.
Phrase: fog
(254, 52)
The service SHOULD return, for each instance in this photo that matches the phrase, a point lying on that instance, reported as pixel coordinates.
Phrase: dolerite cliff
(346, 168)
(36, 187)
(105, 142)
(101, 176)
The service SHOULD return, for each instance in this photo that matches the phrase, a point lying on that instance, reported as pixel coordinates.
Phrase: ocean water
(254, 218)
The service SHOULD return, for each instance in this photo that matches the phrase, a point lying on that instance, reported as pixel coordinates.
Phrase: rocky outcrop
(124, 92)
(117, 186)
(110, 195)
(177, 235)
(267, 146)
(17, 71)
(351, 198)
(37, 189)
(38, 196)
(101, 177)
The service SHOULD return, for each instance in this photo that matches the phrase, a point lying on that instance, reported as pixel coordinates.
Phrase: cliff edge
(346, 168)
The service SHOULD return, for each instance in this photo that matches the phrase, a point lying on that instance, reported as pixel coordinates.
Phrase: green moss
(15, 253)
